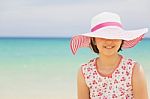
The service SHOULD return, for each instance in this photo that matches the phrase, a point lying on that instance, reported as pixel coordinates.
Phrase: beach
(44, 68)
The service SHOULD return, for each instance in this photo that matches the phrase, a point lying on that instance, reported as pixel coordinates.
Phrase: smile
(109, 47)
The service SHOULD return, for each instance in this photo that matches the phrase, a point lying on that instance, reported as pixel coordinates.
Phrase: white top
(116, 85)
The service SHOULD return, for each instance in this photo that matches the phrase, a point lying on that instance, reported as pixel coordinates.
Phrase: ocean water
(44, 68)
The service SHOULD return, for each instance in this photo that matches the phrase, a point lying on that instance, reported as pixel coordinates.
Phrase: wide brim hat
(107, 25)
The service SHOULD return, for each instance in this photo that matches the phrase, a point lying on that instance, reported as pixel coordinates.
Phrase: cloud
(55, 19)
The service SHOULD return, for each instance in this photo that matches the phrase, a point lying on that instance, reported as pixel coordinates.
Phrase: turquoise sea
(44, 68)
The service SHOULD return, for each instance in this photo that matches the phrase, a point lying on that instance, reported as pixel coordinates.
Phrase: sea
(45, 68)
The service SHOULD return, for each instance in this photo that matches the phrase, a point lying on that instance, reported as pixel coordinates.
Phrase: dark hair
(95, 49)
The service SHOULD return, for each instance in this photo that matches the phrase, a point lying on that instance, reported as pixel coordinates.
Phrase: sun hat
(107, 25)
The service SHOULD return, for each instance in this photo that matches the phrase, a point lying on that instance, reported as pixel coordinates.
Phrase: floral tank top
(117, 85)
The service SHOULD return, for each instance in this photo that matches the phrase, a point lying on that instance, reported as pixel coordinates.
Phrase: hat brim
(130, 37)
(112, 33)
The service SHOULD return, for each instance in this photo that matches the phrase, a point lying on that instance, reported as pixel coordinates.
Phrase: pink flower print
(122, 93)
(94, 82)
(93, 76)
(105, 97)
(99, 85)
(90, 87)
(100, 93)
(110, 87)
(128, 85)
(130, 60)
(95, 73)
(115, 81)
(92, 60)
(83, 73)
(123, 67)
(114, 96)
(99, 80)
(95, 87)
(88, 77)
(90, 84)
(104, 84)
(127, 73)
(129, 63)
(120, 89)
(93, 95)
(122, 84)
(88, 69)
(83, 64)
(93, 90)
(123, 79)
(117, 72)
(127, 96)
(99, 90)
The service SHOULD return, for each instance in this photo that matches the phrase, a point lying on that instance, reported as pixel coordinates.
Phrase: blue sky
(47, 18)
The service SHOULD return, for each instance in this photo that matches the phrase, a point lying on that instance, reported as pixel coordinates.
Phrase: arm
(139, 83)
(83, 91)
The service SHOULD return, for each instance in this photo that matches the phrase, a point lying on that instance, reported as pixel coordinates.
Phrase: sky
(65, 18)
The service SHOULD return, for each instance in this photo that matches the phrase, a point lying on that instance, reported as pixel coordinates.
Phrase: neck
(108, 61)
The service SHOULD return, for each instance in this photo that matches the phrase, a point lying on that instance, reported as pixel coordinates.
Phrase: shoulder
(126, 59)
(139, 82)
(83, 90)
(138, 72)
(89, 63)
(86, 67)
(128, 63)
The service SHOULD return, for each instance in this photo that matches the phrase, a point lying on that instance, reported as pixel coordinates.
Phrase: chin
(109, 53)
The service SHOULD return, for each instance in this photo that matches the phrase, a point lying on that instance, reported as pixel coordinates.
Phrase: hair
(93, 46)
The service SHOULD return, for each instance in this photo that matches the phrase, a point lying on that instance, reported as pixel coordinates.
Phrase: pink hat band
(105, 25)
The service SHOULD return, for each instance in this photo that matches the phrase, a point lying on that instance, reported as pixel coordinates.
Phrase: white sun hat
(107, 25)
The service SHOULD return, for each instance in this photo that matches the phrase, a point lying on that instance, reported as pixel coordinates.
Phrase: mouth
(109, 47)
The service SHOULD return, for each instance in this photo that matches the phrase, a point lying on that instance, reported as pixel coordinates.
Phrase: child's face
(108, 46)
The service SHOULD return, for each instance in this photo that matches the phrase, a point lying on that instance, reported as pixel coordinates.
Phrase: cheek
(99, 46)
(119, 45)
(98, 43)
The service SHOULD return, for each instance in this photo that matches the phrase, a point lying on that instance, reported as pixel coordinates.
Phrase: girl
(110, 75)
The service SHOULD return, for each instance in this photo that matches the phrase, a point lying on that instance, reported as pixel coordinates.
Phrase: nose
(108, 41)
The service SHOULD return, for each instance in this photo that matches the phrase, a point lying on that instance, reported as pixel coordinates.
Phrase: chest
(117, 86)
(110, 83)
(105, 71)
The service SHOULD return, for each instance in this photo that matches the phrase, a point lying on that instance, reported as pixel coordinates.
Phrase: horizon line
(32, 37)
